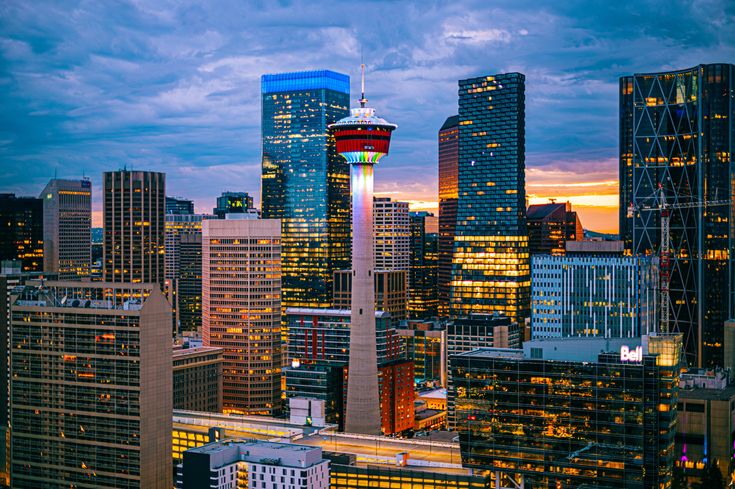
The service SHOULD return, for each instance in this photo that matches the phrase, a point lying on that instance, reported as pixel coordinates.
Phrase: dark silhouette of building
(422, 276)
(550, 226)
(21, 231)
(177, 205)
(233, 203)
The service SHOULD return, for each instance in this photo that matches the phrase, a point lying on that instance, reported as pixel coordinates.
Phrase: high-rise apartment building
(422, 276)
(134, 205)
(594, 290)
(491, 264)
(67, 228)
(550, 226)
(241, 309)
(233, 203)
(21, 221)
(177, 205)
(91, 395)
(676, 143)
(392, 231)
(448, 193)
(305, 183)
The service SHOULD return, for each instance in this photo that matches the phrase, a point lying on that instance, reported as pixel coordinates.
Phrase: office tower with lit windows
(422, 276)
(574, 412)
(91, 387)
(491, 263)
(362, 139)
(67, 228)
(305, 183)
(189, 285)
(391, 227)
(594, 290)
(134, 205)
(21, 219)
(550, 226)
(241, 309)
(391, 292)
(676, 144)
(448, 192)
(233, 203)
(198, 379)
(177, 205)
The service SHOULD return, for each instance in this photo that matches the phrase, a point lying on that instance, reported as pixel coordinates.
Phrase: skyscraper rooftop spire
(363, 100)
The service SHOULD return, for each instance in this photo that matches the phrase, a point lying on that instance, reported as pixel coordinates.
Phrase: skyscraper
(422, 295)
(134, 219)
(491, 265)
(391, 227)
(21, 238)
(448, 192)
(362, 139)
(676, 136)
(550, 226)
(305, 182)
(189, 284)
(241, 309)
(67, 228)
(233, 203)
(177, 205)
(92, 396)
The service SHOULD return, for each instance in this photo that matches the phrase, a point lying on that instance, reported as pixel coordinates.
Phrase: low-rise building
(198, 378)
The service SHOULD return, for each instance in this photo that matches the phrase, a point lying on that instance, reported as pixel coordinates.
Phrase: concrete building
(198, 379)
(134, 205)
(705, 430)
(562, 413)
(391, 225)
(391, 292)
(594, 291)
(363, 139)
(67, 228)
(253, 464)
(550, 226)
(241, 309)
(481, 331)
(91, 387)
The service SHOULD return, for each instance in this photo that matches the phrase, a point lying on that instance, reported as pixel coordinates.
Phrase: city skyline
(174, 87)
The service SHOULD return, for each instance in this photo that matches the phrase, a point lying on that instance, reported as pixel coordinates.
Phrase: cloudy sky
(173, 86)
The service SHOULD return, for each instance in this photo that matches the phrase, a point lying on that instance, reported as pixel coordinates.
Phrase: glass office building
(562, 414)
(491, 266)
(422, 296)
(448, 154)
(677, 131)
(305, 183)
(21, 219)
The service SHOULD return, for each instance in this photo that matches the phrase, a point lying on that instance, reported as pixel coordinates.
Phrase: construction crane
(660, 205)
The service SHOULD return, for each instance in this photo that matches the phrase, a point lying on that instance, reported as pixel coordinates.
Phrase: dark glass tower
(676, 132)
(491, 266)
(21, 231)
(305, 182)
(448, 156)
(233, 203)
(422, 300)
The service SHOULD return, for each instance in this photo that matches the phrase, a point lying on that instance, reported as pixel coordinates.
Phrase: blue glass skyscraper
(305, 182)
(491, 267)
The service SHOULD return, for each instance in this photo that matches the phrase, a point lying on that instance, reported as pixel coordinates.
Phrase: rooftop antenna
(363, 100)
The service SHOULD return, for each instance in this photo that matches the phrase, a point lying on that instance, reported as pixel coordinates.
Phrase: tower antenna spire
(363, 100)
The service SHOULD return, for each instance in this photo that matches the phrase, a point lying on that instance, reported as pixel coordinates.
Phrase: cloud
(173, 85)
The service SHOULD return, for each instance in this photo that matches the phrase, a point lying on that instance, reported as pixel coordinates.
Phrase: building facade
(448, 194)
(233, 203)
(305, 183)
(134, 205)
(198, 379)
(594, 293)
(253, 464)
(391, 292)
(177, 205)
(67, 228)
(550, 226)
(189, 285)
(676, 136)
(21, 219)
(241, 309)
(605, 419)
(491, 263)
(91, 387)
(422, 278)
(425, 343)
(391, 228)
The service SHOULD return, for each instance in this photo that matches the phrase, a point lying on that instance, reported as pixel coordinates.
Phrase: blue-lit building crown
(305, 80)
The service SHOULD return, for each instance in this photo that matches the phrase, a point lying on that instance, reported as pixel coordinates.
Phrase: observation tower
(362, 138)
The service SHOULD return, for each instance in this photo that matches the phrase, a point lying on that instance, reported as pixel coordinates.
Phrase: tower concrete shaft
(363, 398)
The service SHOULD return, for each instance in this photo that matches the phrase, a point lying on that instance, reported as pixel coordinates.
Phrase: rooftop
(315, 311)
(101, 296)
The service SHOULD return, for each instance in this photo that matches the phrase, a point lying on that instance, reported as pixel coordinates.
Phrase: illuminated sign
(628, 355)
